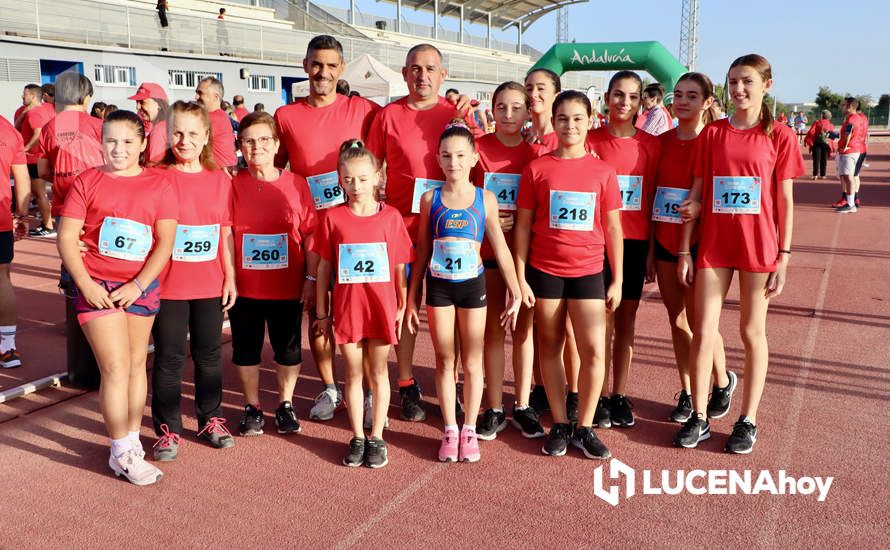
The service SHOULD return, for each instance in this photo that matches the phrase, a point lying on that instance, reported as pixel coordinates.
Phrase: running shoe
(215, 433)
(538, 399)
(286, 419)
(134, 467)
(528, 422)
(620, 409)
(356, 455)
(376, 454)
(326, 404)
(744, 435)
(572, 406)
(412, 404)
(448, 449)
(840, 202)
(368, 422)
(721, 398)
(10, 359)
(41, 232)
(856, 200)
(683, 409)
(602, 418)
(693, 431)
(252, 421)
(469, 446)
(491, 423)
(166, 448)
(846, 209)
(558, 440)
(586, 440)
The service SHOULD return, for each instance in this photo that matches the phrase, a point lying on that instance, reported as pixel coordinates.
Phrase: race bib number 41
(421, 186)
(363, 263)
(326, 190)
(264, 251)
(196, 243)
(124, 239)
(736, 195)
(666, 207)
(631, 192)
(572, 210)
(505, 187)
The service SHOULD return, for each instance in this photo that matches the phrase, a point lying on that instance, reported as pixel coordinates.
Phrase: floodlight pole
(398, 15)
(436, 19)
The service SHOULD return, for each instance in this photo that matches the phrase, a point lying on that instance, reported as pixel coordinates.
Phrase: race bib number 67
(124, 239)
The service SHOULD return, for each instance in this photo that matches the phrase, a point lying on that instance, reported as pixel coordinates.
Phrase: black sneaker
(491, 423)
(721, 398)
(356, 455)
(286, 419)
(744, 435)
(586, 440)
(557, 441)
(572, 406)
(42, 232)
(412, 407)
(376, 455)
(252, 421)
(684, 408)
(620, 409)
(694, 430)
(602, 418)
(538, 399)
(458, 394)
(528, 422)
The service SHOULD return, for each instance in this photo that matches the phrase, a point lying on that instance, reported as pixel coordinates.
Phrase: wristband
(312, 278)
(784, 251)
(321, 318)
(684, 253)
(139, 286)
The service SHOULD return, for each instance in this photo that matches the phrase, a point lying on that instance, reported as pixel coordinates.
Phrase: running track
(824, 414)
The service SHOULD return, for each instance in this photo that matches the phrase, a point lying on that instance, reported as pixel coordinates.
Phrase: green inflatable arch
(610, 56)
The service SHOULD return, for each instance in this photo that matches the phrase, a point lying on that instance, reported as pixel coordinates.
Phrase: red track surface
(824, 414)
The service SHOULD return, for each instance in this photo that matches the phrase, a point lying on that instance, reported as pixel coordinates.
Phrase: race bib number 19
(264, 251)
(572, 210)
(124, 239)
(421, 186)
(363, 263)
(666, 207)
(736, 195)
(326, 190)
(505, 187)
(631, 192)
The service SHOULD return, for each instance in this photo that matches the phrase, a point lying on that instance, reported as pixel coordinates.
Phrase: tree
(826, 99)
(865, 102)
(884, 101)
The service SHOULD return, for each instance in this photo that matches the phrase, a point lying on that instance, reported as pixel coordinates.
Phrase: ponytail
(766, 119)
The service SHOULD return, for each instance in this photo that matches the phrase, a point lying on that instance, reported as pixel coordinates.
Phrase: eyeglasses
(263, 141)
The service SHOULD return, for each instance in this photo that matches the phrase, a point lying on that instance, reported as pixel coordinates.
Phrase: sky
(842, 44)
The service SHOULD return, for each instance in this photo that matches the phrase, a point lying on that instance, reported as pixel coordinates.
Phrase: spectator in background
(820, 144)
(162, 8)
(32, 96)
(32, 125)
(152, 106)
(782, 119)
(238, 104)
(110, 108)
(209, 94)
(230, 111)
(98, 110)
(656, 119)
(343, 87)
(451, 94)
(222, 33)
(259, 108)
(354, 93)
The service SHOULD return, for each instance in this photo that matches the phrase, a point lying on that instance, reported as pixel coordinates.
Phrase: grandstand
(256, 51)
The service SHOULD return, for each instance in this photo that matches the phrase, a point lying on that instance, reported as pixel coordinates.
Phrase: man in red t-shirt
(32, 124)
(209, 94)
(311, 131)
(851, 149)
(238, 105)
(32, 96)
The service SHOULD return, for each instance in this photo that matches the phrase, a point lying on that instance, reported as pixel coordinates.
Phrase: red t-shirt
(12, 151)
(858, 122)
(18, 113)
(241, 112)
(675, 171)
(223, 139)
(205, 205)
(157, 143)
(407, 139)
(365, 308)
(565, 240)
(119, 215)
(34, 120)
(497, 158)
(548, 142)
(271, 220)
(632, 158)
(748, 242)
(72, 143)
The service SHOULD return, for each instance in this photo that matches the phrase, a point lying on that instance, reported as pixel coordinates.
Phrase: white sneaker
(369, 415)
(135, 468)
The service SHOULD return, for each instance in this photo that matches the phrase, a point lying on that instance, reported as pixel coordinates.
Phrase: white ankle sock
(7, 338)
(851, 200)
(134, 437)
(120, 446)
(469, 428)
(450, 427)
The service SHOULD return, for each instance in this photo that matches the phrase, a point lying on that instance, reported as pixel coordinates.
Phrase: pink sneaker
(469, 446)
(448, 448)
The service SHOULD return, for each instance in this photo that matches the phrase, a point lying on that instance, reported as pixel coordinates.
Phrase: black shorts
(662, 254)
(7, 251)
(249, 318)
(32, 171)
(859, 163)
(552, 287)
(634, 268)
(490, 264)
(469, 294)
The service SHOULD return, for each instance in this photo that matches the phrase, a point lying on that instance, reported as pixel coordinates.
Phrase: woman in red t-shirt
(128, 216)
(744, 169)
(273, 218)
(363, 247)
(693, 103)
(567, 214)
(197, 287)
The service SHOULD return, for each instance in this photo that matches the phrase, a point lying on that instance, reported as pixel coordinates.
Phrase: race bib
(505, 187)
(572, 210)
(264, 251)
(124, 239)
(631, 192)
(421, 186)
(363, 263)
(454, 260)
(196, 243)
(326, 190)
(666, 207)
(736, 195)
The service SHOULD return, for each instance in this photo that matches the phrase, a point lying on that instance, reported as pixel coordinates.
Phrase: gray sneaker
(326, 405)
(166, 448)
(369, 415)
(215, 433)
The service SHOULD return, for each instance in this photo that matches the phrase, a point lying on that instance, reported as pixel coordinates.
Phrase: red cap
(149, 90)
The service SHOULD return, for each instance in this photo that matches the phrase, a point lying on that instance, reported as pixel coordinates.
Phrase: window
(261, 83)
(188, 80)
(114, 75)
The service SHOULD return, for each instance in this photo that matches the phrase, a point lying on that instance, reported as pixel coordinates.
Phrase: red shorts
(146, 306)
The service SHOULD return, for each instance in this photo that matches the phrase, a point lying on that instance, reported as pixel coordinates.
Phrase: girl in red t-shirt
(744, 171)
(197, 287)
(453, 221)
(128, 216)
(693, 103)
(567, 214)
(363, 247)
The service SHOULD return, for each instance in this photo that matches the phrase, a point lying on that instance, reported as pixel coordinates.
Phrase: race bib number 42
(264, 251)
(363, 263)
(736, 195)
(124, 239)
(454, 260)
(572, 210)
(505, 187)
(631, 192)
(196, 243)
(666, 207)
(326, 190)
(421, 186)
